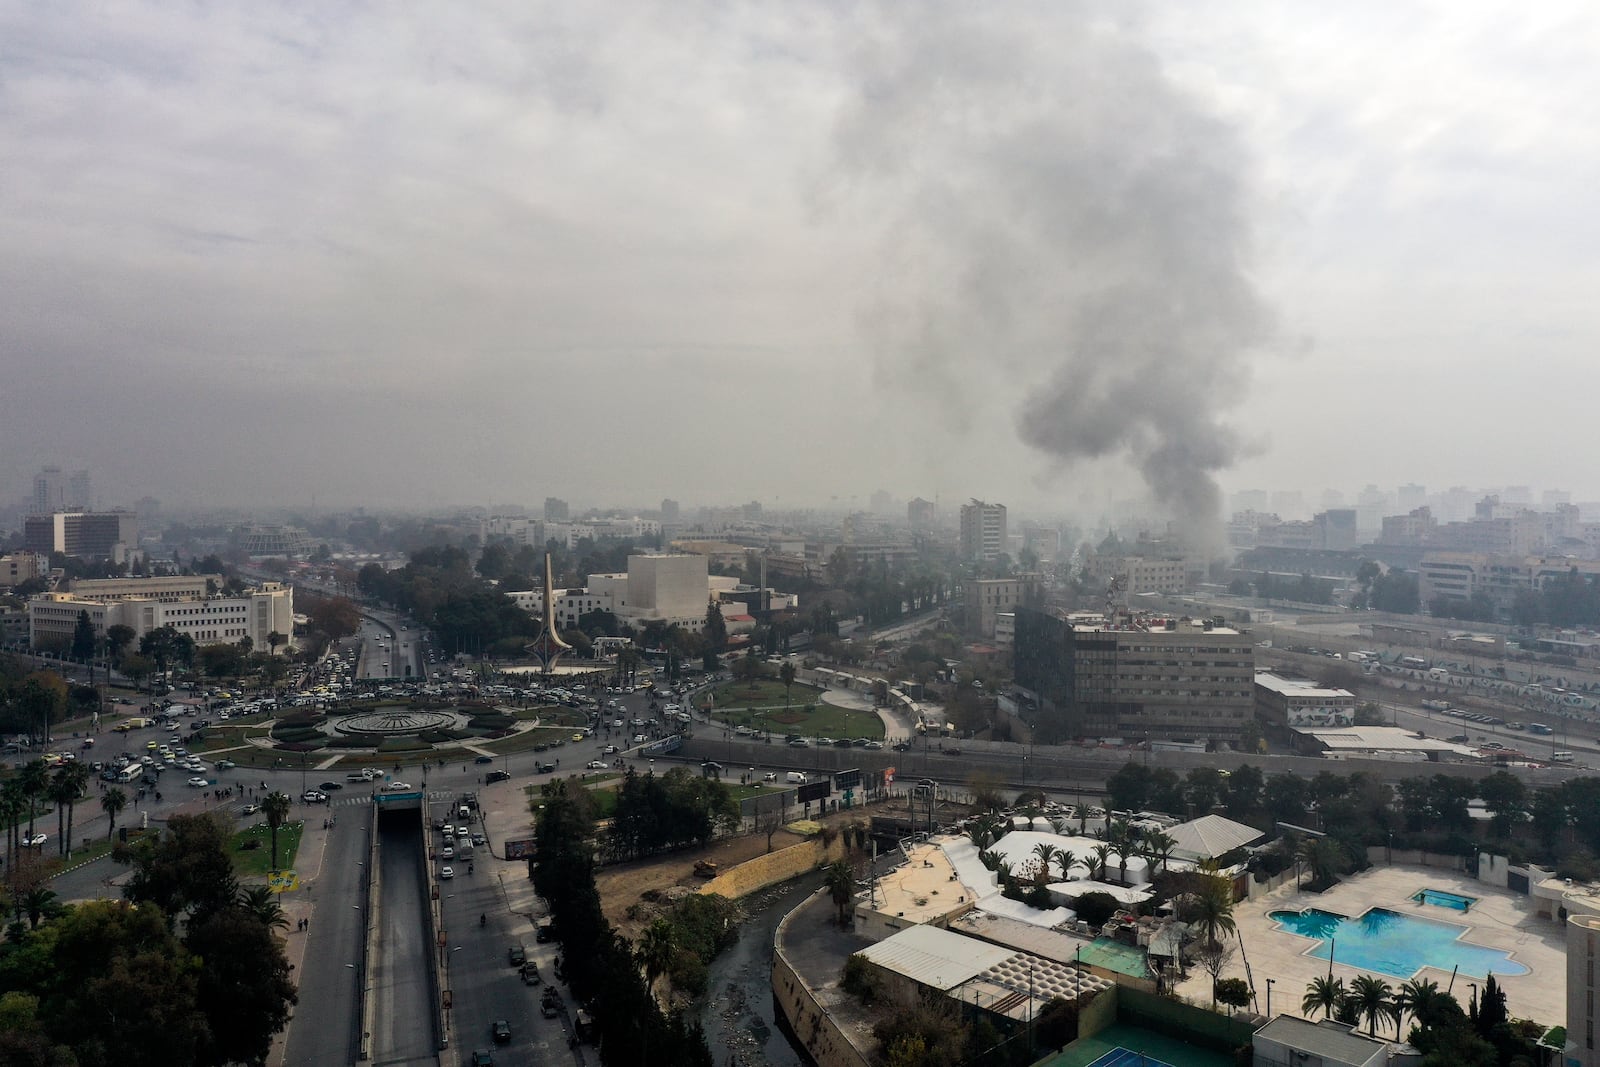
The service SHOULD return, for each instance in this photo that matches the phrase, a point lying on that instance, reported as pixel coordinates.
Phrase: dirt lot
(625, 884)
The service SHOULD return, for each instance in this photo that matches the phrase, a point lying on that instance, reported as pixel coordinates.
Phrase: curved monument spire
(548, 646)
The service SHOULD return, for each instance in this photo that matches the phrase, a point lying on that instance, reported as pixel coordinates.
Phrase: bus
(1561, 757)
(130, 773)
(1415, 663)
(1539, 728)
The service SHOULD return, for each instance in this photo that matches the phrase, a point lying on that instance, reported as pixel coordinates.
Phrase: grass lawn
(763, 694)
(527, 739)
(824, 720)
(258, 861)
(743, 792)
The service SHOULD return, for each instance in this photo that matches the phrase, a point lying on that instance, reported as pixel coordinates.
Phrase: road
(403, 1030)
(324, 1029)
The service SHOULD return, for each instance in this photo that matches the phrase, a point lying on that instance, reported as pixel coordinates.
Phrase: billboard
(850, 779)
(813, 791)
(520, 849)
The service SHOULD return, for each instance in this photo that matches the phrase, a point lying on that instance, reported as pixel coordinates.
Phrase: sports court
(1121, 1045)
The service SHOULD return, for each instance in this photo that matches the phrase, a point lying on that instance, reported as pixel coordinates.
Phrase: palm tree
(1066, 859)
(656, 949)
(1097, 862)
(261, 902)
(841, 885)
(1213, 906)
(1416, 997)
(1372, 1000)
(33, 780)
(1046, 852)
(1003, 870)
(276, 808)
(12, 804)
(1323, 857)
(274, 639)
(1160, 845)
(62, 791)
(36, 902)
(112, 802)
(77, 777)
(1323, 994)
(1031, 812)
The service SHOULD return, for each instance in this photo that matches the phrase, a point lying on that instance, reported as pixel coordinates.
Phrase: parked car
(502, 1031)
(314, 796)
(496, 776)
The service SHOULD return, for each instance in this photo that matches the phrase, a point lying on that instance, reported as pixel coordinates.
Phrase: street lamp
(1269, 996)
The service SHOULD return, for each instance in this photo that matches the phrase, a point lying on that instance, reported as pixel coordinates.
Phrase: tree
(1129, 787)
(83, 638)
(33, 780)
(1372, 999)
(1234, 992)
(186, 871)
(1244, 788)
(245, 990)
(1322, 994)
(1212, 907)
(112, 801)
(840, 882)
(276, 808)
(1160, 845)
(1202, 789)
(262, 904)
(786, 673)
(1214, 957)
(656, 949)
(66, 786)
(1506, 796)
(274, 639)
(1324, 858)
(1417, 997)
(118, 638)
(715, 630)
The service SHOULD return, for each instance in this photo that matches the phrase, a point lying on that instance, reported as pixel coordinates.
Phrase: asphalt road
(403, 1016)
(323, 1029)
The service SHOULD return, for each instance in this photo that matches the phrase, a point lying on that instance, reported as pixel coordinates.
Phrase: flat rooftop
(1298, 687)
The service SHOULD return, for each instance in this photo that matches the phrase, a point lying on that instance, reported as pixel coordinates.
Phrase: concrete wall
(1381, 855)
(806, 1018)
(752, 876)
(1101, 1013)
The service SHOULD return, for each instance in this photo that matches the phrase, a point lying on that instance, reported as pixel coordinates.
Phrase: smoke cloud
(1066, 229)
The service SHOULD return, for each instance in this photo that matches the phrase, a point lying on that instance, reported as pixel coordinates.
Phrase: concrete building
(1136, 677)
(167, 588)
(674, 588)
(669, 510)
(921, 514)
(986, 598)
(983, 531)
(85, 534)
(1286, 702)
(262, 540)
(1289, 1041)
(209, 620)
(19, 567)
(1583, 939)
(555, 509)
(1142, 574)
(1462, 575)
(55, 490)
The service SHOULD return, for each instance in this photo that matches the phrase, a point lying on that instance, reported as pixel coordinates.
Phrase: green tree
(786, 673)
(840, 882)
(1324, 858)
(83, 638)
(1244, 788)
(245, 990)
(1202, 789)
(1323, 994)
(186, 871)
(1234, 992)
(112, 802)
(1129, 787)
(1212, 907)
(1372, 999)
(656, 949)
(262, 904)
(118, 638)
(276, 809)
(34, 781)
(66, 788)
(1506, 796)
(715, 630)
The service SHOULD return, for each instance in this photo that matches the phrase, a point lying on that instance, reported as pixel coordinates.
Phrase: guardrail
(372, 877)
(439, 959)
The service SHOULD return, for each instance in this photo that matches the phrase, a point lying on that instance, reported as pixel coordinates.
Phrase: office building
(983, 531)
(1286, 702)
(207, 619)
(19, 567)
(1136, 677)
(921, 514)
(669, 510)
(555, 509)
(986, 598)
(54, 490)
(84, 534)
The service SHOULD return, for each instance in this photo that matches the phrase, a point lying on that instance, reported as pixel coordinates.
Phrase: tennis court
(1120, 1044)
(1127, 1057)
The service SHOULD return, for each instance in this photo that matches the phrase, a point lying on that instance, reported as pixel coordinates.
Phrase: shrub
(858, 980)
(1096, 908)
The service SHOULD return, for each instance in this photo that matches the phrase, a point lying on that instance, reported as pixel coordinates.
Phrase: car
(484, 759)
(502, 1031)
(36, 841)
(481, 1057)
(329, 787)
(198, 782)
(596, 765)
(447, 872)
(397, 787)
(497, 776)
(479, 839)
(250, 809)
(799, 742)
(610, 750)
(873, 746)
(313, 796)
(448, 852)
(769, 777)
(902, 746)
(226, 765)
(462, 831)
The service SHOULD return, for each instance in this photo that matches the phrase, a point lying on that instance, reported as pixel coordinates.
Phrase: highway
(403, 1030)
(324, 1026)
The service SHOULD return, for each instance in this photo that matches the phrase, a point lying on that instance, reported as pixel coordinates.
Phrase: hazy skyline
(792, 252)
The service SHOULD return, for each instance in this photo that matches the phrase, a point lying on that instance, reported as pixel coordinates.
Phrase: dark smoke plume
(1066, 218)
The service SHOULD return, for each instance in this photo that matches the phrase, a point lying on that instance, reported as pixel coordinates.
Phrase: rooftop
(1328, 1039)
(1297, 687)
(1386, 738)
(1210, 836)
(934, 957)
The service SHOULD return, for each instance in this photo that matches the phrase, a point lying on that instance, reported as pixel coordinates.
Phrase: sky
(424, 254)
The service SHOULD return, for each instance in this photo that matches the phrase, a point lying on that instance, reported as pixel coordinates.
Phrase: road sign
(283, 881)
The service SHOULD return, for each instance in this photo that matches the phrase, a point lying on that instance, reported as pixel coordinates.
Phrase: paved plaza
(1499, 920)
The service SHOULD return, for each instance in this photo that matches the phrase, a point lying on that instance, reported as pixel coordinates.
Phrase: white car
(463, 832)
(448, 852)
(36, 841)
(198, 782)
(597, 765)
(446, 872)
(397, 787)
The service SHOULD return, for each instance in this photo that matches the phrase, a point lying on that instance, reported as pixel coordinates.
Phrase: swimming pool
(1439, 898)
(1394, 943)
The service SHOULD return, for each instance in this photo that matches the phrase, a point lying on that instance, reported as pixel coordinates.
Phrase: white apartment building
(983, 531)
(209, 620)
(1465, 574)
(19, 567)
(571, 604)
(669, 588)
(1142, 574)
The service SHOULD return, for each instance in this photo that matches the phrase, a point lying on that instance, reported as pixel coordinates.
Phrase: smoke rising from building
(1061, 215)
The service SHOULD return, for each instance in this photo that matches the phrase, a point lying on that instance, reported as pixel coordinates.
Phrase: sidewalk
(298, 905)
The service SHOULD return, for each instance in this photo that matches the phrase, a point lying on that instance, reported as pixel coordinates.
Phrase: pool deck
(1499, 920)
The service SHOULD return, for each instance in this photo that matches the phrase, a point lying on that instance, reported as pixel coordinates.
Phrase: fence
(1185, 1022)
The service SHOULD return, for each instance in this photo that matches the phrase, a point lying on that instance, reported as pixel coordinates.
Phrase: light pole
(1269, 996)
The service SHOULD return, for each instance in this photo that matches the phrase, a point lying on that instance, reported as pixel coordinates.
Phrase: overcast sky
(481, 253)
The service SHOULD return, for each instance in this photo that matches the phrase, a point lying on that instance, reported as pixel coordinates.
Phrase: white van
(795, 778)
(1561, 757)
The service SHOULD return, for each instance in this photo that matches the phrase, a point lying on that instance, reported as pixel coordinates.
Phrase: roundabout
(396, 722)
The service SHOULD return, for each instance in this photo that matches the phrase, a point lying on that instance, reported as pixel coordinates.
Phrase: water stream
(738, 1017)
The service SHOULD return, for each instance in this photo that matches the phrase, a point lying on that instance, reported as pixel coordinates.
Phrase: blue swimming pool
(1394, 943)
(1439, 898)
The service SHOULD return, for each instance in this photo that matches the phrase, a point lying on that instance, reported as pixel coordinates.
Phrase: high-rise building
(78, 493)
(880, 503)
(49, 491)
(1410, 497)
(921, 514)
(983, 531)
(555, 509)
(669, 510)
(1172, 679)
(87, 534)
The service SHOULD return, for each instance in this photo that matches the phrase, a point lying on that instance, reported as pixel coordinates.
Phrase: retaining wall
(752, 876)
